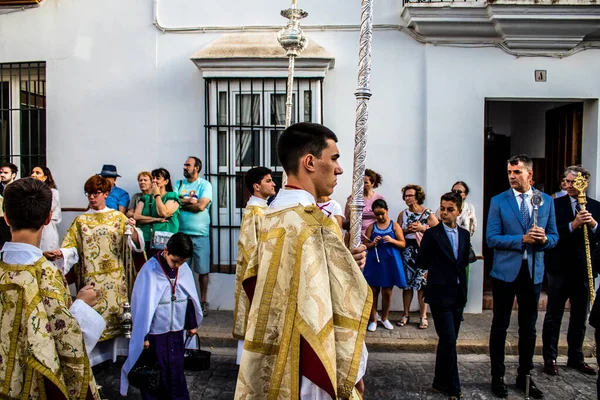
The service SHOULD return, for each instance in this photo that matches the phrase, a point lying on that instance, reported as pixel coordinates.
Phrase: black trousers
(528, 296)
(447, 324)
(560, 288)
(597, 339)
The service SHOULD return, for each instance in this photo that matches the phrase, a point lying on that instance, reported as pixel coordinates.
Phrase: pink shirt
(368, 217)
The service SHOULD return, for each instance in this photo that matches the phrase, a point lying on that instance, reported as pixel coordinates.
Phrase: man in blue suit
(518, 268)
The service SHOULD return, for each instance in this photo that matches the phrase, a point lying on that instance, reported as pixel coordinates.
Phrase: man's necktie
(524, 209)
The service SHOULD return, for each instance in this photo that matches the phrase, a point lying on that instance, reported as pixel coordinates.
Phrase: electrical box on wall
(540, 75)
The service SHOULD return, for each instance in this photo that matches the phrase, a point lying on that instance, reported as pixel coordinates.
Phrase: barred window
(244, 118)
(23, 114)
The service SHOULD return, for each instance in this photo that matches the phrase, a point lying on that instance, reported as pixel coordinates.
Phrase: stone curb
(375, 344)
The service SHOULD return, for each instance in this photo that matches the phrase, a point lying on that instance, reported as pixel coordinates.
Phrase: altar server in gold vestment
(310, 304)
(98, 247)
(43, 349)
(260, 184)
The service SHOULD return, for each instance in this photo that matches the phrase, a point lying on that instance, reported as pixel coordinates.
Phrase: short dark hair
(299, 140)
(574, 169)
(180, 245)
(27, 204)
(255, 176)
(419, 193)
(48, 174)
(453, 197)
(461, 183)
(12, 167)
(197, 162)
(97, 183)
(375, 177)
(524, 158)
(379, 203)
(163, 173)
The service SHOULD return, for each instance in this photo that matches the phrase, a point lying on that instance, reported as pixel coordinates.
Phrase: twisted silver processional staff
(293, 41)
(363, 94)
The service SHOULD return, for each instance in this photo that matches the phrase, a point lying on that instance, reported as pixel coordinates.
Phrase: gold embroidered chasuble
(105, 260)
(40, 338)
(309, 290)
(247, 243)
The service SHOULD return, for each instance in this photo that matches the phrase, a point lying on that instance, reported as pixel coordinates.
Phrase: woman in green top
(158, 210)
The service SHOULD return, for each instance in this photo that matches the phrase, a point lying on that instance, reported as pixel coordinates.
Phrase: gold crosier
(581, 184)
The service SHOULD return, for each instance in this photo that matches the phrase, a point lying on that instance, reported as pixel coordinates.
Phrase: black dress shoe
(438, 387)
(550, 367)
(498, 386)
(583, 367)
(534, 392)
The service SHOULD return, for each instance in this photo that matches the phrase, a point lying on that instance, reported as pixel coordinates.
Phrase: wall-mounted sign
(540, 75)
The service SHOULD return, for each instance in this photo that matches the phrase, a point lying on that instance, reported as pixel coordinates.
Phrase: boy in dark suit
(444, 253)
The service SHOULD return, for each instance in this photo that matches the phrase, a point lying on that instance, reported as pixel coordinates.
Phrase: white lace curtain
(247, 109)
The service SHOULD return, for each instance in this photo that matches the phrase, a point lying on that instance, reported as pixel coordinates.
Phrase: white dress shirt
(574, 208)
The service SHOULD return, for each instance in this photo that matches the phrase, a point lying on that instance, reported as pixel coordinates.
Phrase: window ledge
(258, 55)
(523, 25)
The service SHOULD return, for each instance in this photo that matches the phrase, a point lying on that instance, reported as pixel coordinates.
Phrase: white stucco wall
(122, 92)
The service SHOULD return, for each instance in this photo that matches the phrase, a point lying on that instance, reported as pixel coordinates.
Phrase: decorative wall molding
(252, 54)
(532, 26)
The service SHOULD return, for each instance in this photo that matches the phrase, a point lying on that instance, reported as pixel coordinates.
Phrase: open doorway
(550, 132)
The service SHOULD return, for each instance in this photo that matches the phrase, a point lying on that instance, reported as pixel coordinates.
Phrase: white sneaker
(387, 325)
(372, 326)
(378, 317)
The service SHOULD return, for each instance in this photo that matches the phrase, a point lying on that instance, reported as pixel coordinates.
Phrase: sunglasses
(458, 191)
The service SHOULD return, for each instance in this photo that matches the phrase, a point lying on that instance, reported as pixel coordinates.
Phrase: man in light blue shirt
(195, 194)
(118, 199)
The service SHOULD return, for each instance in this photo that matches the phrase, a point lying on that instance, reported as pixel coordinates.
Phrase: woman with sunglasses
(158, 211)
(467, 219)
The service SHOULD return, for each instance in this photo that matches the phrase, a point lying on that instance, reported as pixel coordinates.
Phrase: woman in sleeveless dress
(414, 220)
(383, 270)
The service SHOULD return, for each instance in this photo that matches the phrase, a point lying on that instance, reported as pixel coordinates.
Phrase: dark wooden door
(497, 151)
(564, 132)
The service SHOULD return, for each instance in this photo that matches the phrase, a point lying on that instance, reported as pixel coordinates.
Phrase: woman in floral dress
(414, 220)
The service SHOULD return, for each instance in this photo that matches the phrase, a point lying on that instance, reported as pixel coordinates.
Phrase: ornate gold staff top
(293, 41)
(581, 184)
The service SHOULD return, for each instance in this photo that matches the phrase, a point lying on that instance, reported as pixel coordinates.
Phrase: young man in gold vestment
(260, 184)
(310, 304)
(43, 349)
(97, 246)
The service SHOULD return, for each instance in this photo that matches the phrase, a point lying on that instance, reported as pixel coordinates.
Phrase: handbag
(419, 235)
(159, 239)
(472, 255)
(146, 373)
(196, 359)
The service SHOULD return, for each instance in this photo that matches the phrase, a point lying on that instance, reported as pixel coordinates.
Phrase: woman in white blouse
(467, 219)
(50, 233)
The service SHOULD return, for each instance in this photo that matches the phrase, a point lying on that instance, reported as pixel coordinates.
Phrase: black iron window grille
(23, 115)
(244, 118)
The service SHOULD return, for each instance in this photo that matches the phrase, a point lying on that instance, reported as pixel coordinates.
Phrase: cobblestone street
(389, 376)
